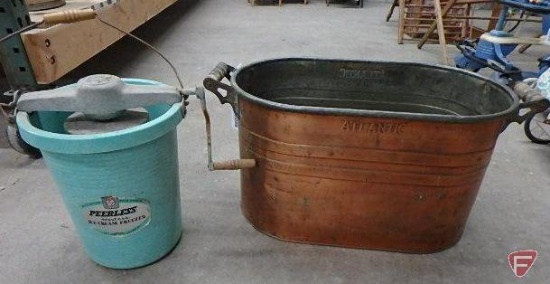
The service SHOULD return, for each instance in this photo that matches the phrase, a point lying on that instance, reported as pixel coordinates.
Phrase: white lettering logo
(521, 261)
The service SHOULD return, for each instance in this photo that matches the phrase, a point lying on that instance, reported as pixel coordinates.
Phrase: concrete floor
(38, 243)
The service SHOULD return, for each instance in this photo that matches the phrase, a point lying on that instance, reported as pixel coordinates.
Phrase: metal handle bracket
(213, 83)
(533, 100)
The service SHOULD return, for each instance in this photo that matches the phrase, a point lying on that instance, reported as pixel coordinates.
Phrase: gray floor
(38, 243)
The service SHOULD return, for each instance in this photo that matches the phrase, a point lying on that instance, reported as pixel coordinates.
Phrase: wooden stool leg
(401, 28)
(280, 2)
(393, 5)
(441, 31)
(434, 24)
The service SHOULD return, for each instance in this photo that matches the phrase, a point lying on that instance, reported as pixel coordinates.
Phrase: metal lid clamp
(101, 96)
(97, 99)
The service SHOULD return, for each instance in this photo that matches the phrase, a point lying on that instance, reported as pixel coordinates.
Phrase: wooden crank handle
(234, 164)
(69, 16)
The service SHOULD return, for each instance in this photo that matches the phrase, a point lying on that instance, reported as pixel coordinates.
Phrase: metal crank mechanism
(236, 164)
(213, 84)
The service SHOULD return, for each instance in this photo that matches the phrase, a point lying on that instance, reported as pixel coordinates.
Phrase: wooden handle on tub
(69, 16)
(234, 164)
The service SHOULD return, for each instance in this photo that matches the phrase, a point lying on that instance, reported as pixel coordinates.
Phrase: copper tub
(375, 155)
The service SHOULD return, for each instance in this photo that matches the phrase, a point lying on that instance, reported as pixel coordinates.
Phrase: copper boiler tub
(375, 155)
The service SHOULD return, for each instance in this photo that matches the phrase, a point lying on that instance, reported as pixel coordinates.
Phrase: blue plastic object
(487, 53)
(121, 188)
(545, 24)
(490, 51)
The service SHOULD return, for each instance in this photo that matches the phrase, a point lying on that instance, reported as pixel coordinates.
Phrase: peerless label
(116, 216)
